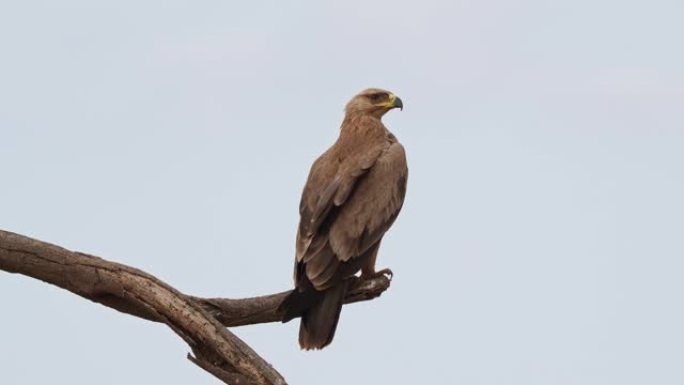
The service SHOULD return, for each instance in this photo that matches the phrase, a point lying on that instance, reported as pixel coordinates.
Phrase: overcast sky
(542, 238)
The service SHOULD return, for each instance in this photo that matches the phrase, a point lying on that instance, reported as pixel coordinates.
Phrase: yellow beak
(394, 102)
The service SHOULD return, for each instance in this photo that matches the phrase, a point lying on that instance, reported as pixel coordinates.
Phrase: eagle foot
(384, 273)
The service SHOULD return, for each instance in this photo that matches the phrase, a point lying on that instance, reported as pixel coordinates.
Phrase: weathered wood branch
(250, 311)
(199, 321)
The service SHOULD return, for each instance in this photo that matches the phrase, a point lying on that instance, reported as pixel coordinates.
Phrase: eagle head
(373, 101)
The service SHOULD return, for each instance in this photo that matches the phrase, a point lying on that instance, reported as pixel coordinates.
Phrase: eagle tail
(298, 302)
(318, 324)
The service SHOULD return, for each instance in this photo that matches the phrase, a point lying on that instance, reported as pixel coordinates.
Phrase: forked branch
(199, 321)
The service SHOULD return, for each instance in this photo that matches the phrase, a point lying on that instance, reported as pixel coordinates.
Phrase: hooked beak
(395, 102)
(398, 104)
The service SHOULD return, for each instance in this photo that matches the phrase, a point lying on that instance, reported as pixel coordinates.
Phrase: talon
(385, 273)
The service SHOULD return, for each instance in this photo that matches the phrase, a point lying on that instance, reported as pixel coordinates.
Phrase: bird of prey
(352, 196)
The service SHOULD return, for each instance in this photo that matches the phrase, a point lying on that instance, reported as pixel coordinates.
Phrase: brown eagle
(352, 196)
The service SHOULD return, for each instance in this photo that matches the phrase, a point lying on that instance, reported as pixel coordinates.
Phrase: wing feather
(372, 209)
(348, 203)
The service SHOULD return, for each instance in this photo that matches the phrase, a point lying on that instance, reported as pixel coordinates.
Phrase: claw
(386, 272)
(381, 273)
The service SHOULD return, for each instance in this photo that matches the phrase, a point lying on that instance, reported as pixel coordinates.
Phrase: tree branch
(199, 321)
(255, 310)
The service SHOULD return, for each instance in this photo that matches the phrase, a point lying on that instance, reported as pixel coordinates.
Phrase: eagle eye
(377, 98)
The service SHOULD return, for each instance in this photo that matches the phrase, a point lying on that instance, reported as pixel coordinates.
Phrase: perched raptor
(352, 196)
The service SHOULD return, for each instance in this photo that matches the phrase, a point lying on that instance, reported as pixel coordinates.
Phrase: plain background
(542, 237)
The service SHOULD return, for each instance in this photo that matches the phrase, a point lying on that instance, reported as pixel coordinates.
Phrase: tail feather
(318, 324)
(298, 302)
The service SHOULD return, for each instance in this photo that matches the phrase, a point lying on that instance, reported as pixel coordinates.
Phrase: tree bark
(199, 321)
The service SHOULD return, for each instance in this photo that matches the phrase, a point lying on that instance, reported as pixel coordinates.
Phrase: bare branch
(142, 294)
(199, 321)
(249, 311)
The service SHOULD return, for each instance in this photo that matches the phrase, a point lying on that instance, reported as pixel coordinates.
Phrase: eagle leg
(368, 268)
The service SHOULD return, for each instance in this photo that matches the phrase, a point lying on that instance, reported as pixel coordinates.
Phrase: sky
(541, 237)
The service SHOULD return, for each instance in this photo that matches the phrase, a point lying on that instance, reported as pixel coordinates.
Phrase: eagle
(352, 196)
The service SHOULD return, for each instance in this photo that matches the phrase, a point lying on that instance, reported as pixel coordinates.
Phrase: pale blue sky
(540, 243)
